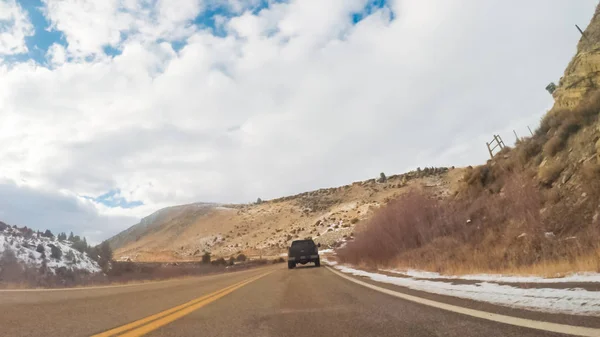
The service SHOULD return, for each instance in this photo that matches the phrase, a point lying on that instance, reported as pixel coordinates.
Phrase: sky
(113, 109)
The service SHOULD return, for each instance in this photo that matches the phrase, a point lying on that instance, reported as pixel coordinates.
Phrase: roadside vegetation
(33, 259)
(532, 209)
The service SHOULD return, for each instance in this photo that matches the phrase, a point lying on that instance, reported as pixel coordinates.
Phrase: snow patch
(573, 301)
(575, 277)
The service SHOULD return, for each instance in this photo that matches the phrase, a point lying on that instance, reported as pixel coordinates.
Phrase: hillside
(183, 233)
(175, 215)
(25, 252)
(532, 209)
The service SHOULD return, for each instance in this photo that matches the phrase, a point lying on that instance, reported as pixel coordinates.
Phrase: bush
(478, 176)
(55, 252)
(406, 223)
(206, 258)
(241, 258)
(438, 230)
(552, 196)
(566, 122)
(80, 246)
(591, 171)
(591, 176)
(10, 269)
(548, 173)
(219, 262)
(527, 149)
(354, 220)
(70, 256)
(48, 234)
(555, 144)
(39, 248)
(102, 254)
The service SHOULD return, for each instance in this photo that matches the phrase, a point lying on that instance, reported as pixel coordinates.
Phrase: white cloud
(14, 27)
(294, 98)
(91, 25)
(56, 54)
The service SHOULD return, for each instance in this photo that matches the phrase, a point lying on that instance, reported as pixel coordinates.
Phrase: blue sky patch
(112, 198)
(111, 51)
(43, 37)
(371, 7)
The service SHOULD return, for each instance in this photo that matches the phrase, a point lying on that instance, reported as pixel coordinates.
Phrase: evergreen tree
(206, 257)
(105, 255)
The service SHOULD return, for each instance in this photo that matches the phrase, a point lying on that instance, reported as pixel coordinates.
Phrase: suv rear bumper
(303, 259)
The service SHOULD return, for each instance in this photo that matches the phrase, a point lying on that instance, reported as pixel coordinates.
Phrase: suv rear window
(303, 244)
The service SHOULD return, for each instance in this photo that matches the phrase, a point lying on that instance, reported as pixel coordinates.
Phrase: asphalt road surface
(270, 301)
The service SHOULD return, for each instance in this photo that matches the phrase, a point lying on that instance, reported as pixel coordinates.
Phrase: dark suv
(303, 252)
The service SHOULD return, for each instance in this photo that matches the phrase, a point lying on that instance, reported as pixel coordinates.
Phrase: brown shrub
(566, 122)
(552, 196)
(552, 120)
(548, 173)
(406, 223)
(591, 175)
(477, 176)
(527, 149)
(421, 232)
(587, 111)
(591, 171)
(554, 144)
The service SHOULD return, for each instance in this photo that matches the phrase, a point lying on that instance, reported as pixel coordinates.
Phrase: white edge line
(522, 322)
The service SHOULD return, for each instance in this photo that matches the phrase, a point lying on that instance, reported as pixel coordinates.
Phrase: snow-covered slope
(34, 250)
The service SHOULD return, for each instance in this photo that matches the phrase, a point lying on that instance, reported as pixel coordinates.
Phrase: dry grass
(555, 144)
(548, 173)
(527, 149)
(503, 232)
(407, 223)
(560, 124)
(552, 196)
(591, 174)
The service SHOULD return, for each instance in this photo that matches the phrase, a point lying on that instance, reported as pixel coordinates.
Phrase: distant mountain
(154, 221)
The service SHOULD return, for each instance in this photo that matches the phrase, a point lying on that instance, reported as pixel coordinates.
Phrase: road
(270, 301)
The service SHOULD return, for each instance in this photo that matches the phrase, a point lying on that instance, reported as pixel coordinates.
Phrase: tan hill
(184, 233)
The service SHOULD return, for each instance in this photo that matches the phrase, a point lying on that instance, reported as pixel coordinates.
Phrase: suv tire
(291, 265)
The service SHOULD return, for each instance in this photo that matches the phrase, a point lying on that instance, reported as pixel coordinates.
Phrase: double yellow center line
(151, 323)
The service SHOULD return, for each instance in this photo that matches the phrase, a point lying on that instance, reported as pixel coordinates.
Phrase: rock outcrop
(582, 75)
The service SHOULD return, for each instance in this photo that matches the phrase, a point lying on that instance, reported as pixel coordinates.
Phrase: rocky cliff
(582, 75)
